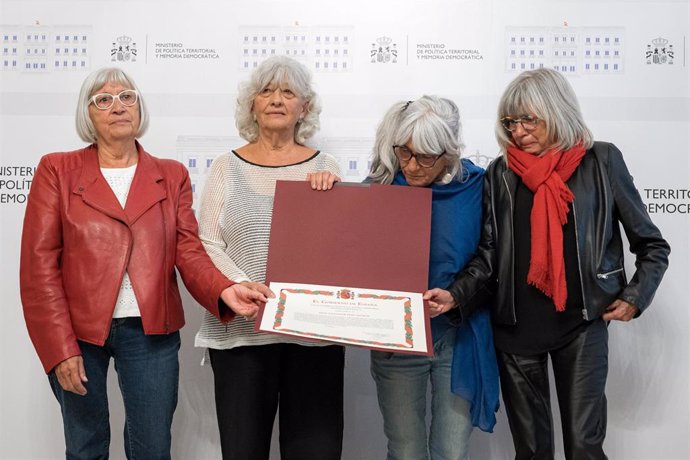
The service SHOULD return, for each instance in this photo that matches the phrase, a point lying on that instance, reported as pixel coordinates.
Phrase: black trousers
(251, 382)
(580, 369)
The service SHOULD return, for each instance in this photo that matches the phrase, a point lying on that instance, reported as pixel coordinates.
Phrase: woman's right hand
(246, 298)
(439, 301)
(71, 375)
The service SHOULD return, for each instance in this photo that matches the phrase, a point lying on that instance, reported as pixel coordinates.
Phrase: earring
(254, 117)
(447, 178)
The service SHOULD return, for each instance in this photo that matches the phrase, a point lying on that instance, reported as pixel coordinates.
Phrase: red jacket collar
(146, 190)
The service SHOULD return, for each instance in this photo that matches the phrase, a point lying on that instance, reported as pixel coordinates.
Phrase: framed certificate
(367, 241)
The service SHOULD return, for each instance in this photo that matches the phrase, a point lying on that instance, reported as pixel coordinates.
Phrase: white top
(120, 180)
(234, 226)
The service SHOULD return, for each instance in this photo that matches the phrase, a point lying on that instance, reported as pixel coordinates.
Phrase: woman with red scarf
(551, 256)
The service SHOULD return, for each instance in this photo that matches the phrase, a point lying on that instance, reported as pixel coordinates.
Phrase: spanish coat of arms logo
(123, 50)
(659, 51)
(384, 51)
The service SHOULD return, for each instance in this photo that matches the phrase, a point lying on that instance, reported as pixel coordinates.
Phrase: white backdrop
(627, 60)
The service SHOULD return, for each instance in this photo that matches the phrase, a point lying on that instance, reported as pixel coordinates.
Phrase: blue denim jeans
(147, 371)
(401, 383)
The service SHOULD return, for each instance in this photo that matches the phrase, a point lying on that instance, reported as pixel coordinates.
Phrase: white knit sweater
(234, 226)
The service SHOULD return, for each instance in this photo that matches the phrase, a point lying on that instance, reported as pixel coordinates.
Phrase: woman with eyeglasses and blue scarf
(419, 144)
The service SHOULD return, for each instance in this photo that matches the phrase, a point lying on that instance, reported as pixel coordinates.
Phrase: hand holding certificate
(349, 265)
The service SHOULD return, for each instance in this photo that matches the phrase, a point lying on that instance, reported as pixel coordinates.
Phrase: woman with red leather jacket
(105, 228)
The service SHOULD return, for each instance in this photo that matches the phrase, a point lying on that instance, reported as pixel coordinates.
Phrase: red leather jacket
(77, 243)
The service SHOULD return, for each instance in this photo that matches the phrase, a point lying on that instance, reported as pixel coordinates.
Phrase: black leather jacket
(604, 197)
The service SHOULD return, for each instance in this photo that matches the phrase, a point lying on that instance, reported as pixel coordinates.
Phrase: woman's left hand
(438, 301)
(322, 180)
(619, 310)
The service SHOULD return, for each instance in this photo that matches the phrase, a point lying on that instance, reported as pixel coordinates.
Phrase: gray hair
(433, 126)
(548, 95)
(278, 70)
(93, 83)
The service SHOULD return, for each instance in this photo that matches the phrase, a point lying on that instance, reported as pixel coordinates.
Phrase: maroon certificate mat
(355, 235)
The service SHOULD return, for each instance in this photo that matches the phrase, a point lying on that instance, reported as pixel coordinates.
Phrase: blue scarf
(456, 215)
(456, 210)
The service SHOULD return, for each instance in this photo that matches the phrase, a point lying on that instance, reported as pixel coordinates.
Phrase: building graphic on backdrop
(353, 154)
(322, 49)
(38, 48)
(198, 152)
(570, 50)
(659, 51)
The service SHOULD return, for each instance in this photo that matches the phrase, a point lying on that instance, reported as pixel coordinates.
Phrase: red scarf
(545, 176)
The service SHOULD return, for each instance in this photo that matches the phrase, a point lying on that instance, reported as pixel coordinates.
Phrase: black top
(539, 326)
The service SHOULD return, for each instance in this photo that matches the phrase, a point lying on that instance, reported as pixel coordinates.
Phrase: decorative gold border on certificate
(407, 310)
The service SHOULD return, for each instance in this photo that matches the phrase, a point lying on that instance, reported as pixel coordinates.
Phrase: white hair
(283, 71)
(548, 95)
(94, 82)
(433, 126)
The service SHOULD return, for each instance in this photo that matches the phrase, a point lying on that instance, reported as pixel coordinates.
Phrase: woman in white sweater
(254, 372)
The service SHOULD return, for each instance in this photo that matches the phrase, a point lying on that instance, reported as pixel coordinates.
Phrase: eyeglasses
(104, 101)
(425, 160)
(286, 93)
(528, 122)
